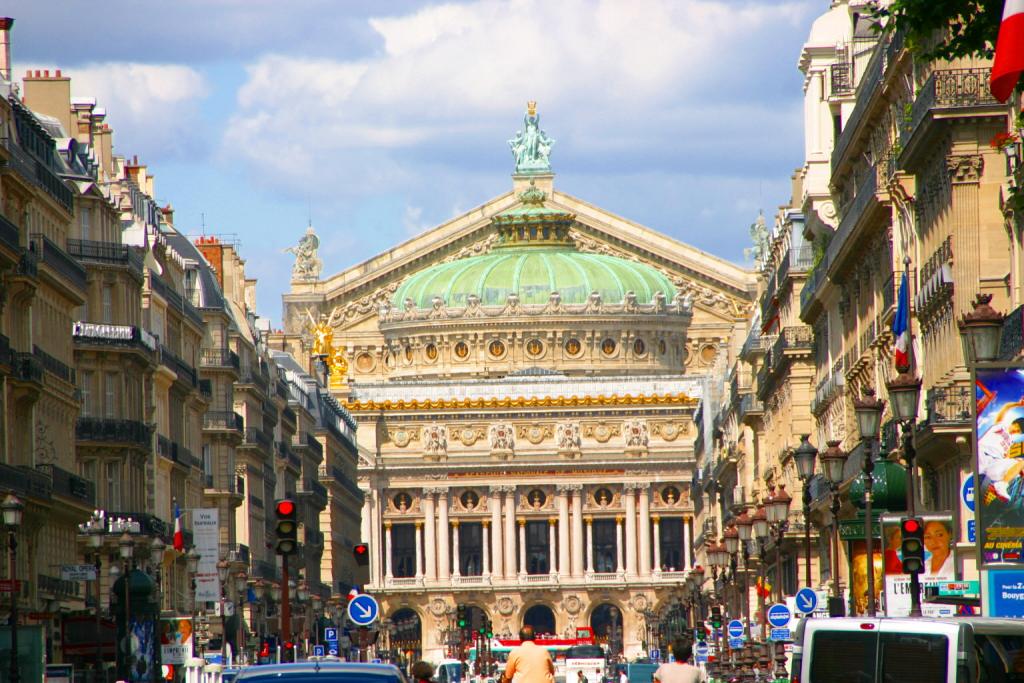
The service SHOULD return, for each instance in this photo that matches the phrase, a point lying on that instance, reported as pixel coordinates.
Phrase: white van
(901, 650)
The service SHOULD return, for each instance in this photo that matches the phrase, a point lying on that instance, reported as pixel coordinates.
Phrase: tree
(943, 29)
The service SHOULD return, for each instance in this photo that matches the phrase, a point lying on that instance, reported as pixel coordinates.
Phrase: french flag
(901, 324)
(353, 593)
(1009, 61)
(179, 536)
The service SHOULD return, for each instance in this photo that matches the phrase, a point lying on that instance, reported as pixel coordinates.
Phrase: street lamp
(869, 414)
(832, 462)
(156, 560)
(904, 397)
(94, 539)
(126, 548)
(223, 573)
(980, 331)
(13, 509)
(805, 455)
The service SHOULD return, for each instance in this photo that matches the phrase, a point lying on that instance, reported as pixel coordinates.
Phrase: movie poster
(859, 567)
(999, 499)
(175, 640)
(939, 565)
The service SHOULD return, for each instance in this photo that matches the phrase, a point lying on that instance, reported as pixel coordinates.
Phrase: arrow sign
(735, 629)
(806, 601)
(779, 615)
(363, 609)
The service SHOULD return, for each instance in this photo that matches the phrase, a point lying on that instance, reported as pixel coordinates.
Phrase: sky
(378, 119)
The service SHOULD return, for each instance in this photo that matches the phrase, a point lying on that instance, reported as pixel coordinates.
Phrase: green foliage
(944, 29)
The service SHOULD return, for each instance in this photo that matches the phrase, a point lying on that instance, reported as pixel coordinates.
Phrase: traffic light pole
(286, 607)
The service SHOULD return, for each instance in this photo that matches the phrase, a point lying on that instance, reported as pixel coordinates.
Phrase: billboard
(206, 534)
(175, 640)
(999, 492)
(939, 565)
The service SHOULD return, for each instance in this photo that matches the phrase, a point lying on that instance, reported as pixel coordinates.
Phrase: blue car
(322, 672)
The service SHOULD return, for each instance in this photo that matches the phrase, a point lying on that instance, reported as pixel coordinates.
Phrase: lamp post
(869, 415)
(832, 462)
(805, 455)
(241, 583)
(904, 397)
(223, 572)
(744, 533)
(759, 526)
(94, 539)
(777, 507)
(126, 548)
(156, 561)
(13, 509)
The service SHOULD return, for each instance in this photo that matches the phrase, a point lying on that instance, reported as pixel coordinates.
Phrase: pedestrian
(529, 660)
(422, 672)
(623, 676)
(680, 671)
(581, 677)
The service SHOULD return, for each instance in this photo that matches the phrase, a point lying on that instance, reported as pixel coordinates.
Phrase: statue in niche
(307, 264)
(531, 146)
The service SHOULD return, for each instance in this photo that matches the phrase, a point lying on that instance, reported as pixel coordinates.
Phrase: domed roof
(533, 273)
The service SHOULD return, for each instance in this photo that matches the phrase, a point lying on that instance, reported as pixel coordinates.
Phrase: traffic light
(287, 652)
(460, 616)
(716, 617)
(361, 552)
(701, 633)
(287, 527)
(912, 545)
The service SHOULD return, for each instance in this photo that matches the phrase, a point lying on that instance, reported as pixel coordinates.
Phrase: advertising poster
(1005, 594)
(206, 532)
(175, 640)
(859, 564)
(939, 567)
(998, 495)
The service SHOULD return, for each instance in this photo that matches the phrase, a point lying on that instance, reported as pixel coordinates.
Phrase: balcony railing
(842, 78)
(948, 405)
(59, 260)
(218, 358)
(749, 405)
(175, 300)
(223, 419)
(828, 389)
(54, 366)
(106, 252)
(814, 282)
(112, 430)
(256, 437)
(852, 213)
(26, 481)
(186, 373)
(866, 90)
(1011, 342)
(9, 234)
(70, 486)
(948, 89)
(27, 367)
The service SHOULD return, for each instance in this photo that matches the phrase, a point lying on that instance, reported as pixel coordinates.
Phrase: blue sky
(382, 119)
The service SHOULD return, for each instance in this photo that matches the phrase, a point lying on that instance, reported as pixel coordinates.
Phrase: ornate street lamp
(833, 461)
(777, 507)
(12, 509)
(94, 539)
(805, 455)
(192, 560)
(869, 415)
(980, 331)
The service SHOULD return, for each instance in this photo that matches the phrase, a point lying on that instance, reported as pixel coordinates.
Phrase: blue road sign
(735, 628)
(779, 615)
(318, 651)
(333, 650)
(363, 609)
(780, 634)
(806, 601)
(330, 633)
(655, 654)
(700, 652)
(972, 531)
(735, 643)
(967, 493)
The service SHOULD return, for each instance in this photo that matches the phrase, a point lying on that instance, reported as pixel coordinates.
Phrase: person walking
(680, 671)
(623, 676)
(530, 661)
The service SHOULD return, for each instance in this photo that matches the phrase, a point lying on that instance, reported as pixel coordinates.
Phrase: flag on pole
(901, 324)
(1009, 61)
(179, 536)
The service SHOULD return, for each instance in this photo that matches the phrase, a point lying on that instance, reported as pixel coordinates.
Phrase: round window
(670, 494)
(603, 497)
(496, 348)
(537, 498)
(469, 500)
(402, 501)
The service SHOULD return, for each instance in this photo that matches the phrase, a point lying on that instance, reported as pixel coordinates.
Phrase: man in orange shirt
(529, 660)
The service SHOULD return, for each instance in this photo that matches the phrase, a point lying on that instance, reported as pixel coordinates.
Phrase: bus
(557, 646)
(590, 660)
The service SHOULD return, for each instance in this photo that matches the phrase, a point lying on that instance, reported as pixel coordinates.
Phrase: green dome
(534, 272)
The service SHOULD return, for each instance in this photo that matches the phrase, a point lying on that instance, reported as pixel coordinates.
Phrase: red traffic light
(911, 525)
(360, 549)
(285, 508)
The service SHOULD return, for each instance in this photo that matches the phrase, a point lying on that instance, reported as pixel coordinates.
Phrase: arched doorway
(606, 620)
(405, 636)
(541, 618)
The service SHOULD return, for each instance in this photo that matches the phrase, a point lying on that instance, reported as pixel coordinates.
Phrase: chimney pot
(58, 73)
(46, 73)
(39, 73)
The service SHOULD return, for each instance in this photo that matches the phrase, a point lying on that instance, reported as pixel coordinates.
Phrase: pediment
(721, 290)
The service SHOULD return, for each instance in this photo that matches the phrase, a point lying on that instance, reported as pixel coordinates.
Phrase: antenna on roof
(202, 221)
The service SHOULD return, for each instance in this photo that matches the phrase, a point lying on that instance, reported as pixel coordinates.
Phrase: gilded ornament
(496, 348)
(430, 351)
(608, 347)
(470, 435)
(573, 347)
(535, 433)
(461, 350)
(534, 348)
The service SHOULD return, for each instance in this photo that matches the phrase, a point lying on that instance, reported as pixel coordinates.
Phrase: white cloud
(151, 107)
(451, 81)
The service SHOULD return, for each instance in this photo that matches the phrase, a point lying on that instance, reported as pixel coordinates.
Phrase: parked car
(319, 671)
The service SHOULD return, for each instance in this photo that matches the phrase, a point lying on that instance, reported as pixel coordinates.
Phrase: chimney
(50, 94)
(5, 47)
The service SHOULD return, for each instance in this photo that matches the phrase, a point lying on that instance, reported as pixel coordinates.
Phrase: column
(443, 557)
(419, 549)
(577, 530)
(376, 537)
(429, 535)
(619, 569)
(629, 491)
(563, 531)
(687, 559)
(485, 549)
(657, 543)
(645, 531)
(510, 532)
(552, 545)
(522, 547)
(456, 564)
(387, 551)
(364, 526)
(494, 501)
(590, 545)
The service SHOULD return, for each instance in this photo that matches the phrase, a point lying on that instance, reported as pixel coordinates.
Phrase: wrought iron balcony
(26, 481)
(948, 406)
(749, 406)
(111, 253)
(866, 90)
(852, 213)
(174, 299)
(114, 431)
(841, 78)
(219, 358)
(186, 373)
(1011, 341)
(58, 260)
(949, 90)
(128, 336)
(54, 366)
(256, 437)
(9, 234)
(223, 419)
(27, 368)
(70, 486)
(814, 282)
(28, 265)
